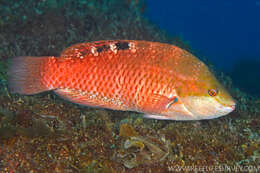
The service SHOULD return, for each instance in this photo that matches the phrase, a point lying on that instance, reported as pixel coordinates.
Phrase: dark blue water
(225, 30)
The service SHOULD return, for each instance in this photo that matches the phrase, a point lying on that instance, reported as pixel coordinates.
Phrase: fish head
(204, 97)
(206, 101)
(199, 94)
(216, 102)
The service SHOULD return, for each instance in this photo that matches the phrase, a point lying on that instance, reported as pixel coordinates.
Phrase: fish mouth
(233, 107)
(230, 108)
(224, 110)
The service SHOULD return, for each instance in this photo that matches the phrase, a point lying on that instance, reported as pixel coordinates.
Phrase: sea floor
(43, 133)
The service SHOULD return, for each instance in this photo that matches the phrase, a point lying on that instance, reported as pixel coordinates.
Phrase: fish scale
(161, 80)
(99, 77)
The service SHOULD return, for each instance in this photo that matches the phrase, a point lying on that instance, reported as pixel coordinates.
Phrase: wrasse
(160, 80)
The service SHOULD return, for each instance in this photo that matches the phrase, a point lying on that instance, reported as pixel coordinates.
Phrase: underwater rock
(127, 130)
(143, 151)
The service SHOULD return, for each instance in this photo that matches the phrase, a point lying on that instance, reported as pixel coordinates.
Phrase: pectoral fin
(156, 103)
(87, 99)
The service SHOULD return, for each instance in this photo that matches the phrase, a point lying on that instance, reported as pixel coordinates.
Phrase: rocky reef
(43, 133)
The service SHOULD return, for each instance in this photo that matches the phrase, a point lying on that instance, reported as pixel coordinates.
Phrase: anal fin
(87, 99)
(78, 97)
(156, 103)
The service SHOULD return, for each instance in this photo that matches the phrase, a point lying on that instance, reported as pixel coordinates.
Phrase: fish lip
(224, 110)
(233, 107)
(230, 108)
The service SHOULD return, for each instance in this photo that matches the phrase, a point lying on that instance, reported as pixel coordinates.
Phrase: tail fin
(24, 75)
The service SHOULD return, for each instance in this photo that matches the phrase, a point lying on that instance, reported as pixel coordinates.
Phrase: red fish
(160, 80)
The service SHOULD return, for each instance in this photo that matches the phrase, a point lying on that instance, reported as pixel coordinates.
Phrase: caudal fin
(24, 75)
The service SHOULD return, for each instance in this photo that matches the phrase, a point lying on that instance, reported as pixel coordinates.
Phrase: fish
(160, 80)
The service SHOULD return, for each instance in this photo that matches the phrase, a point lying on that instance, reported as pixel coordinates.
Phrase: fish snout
(224, 110)
(233, 107)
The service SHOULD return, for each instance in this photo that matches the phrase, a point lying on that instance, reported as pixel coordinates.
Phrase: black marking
(99, 49)
(102, 48)
(84, 52)
(97, 43)
(122, 45)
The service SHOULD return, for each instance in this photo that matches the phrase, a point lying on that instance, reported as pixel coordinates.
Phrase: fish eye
(213, 92)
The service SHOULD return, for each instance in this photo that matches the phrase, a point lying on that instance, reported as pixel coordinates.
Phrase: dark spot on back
(102, 48)
(122, 45)
(84, 52)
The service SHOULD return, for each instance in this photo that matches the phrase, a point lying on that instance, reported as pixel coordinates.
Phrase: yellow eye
(212, 92)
